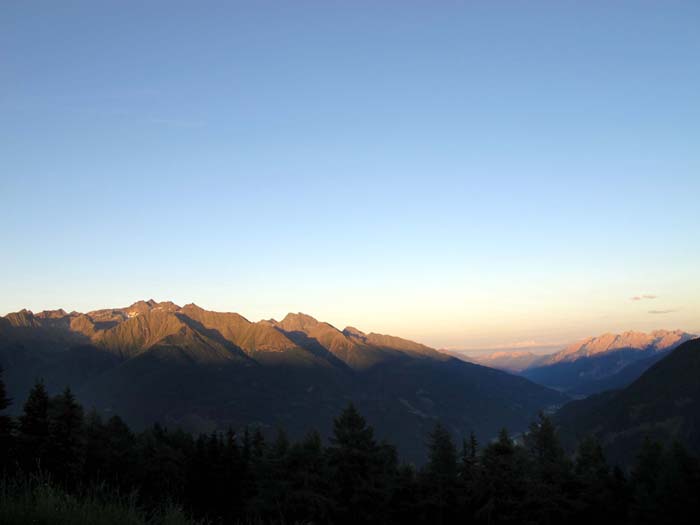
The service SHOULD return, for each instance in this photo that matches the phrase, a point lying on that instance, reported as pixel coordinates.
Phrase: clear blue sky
(462, 173)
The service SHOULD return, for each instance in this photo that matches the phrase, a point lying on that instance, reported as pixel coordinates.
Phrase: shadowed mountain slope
(663, 403)
(209, 370)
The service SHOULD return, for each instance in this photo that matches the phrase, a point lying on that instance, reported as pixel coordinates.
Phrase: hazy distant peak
(511, 361)
(506, 353)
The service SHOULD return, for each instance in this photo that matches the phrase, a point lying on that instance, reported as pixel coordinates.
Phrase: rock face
(204, 370)
(663, 404)
(604, 362)
(656, 341)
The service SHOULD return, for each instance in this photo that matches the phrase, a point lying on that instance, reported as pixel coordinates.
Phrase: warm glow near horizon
(467, 328)
(466, 176)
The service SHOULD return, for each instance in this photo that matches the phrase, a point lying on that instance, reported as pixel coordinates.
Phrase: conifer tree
(679, 486)
(442, 471)
(551, 472)
(442, 455)
(281, 444)
(594, 483)
(66, 438)
(6, 429)
(468, 458)
(33, 438)
(246, 453)
(544, 446)
(503, 483)
(590, 461)
(309, 481)
(258, 444)
(468, 474)
(121, 460)
(354, 461)
(645, 482)
(97, 448)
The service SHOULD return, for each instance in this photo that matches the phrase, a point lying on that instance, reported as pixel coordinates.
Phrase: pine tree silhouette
(66, 445)
(442, 471)
(7, 443)
(33, 438)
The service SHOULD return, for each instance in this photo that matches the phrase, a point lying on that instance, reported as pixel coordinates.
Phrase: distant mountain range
(662, 404)
(604, 362)
(511, 361)
(204, 370)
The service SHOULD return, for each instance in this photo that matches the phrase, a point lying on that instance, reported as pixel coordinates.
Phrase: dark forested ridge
(663, 403)
(61, 465)
(207, 371)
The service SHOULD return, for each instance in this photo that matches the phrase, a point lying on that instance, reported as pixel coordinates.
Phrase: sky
(466, 174)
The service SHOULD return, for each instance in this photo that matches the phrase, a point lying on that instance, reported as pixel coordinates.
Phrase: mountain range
(204, 371)
(662, 404)
(513, 361)
(605, 362)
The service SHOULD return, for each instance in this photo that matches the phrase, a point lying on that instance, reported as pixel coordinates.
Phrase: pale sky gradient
(466, 174)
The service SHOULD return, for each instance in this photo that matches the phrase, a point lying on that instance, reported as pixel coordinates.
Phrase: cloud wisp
(645, 297)
(661, 312)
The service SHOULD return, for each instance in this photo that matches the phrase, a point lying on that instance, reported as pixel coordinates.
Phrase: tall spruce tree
(6, 429)
(66, 438)
(97, 449)
(308, 498)
(679, 486)
(594, 484)
(468, 474)
(503, 482)
(645, 482)
(33, 437)
(121, 460)
(468, 458)
(354, 460)
(441, 472)
(551, 473)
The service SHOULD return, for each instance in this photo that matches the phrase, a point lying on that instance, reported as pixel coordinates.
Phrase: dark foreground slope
(663, 404)
(68, 467)
(207, 371)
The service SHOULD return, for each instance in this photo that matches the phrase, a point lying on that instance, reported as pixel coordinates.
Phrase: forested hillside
(61, 465)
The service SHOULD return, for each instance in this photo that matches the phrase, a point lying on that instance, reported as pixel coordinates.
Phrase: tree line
(242, 477)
